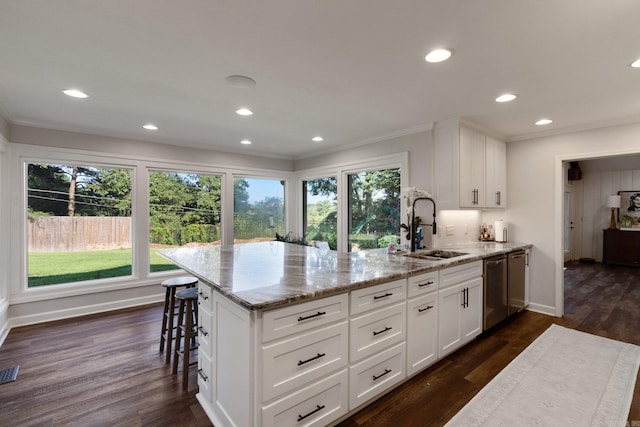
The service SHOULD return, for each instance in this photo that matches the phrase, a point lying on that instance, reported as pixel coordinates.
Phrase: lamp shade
(613, 201)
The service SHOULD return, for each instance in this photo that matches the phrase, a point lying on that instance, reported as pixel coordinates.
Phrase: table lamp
(613, 202)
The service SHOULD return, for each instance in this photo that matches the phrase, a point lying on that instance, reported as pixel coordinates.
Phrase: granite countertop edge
(252, 299)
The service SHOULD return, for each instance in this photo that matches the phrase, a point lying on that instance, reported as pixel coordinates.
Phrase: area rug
(564, 378)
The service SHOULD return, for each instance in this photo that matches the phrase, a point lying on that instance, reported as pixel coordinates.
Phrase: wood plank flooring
(105, 370)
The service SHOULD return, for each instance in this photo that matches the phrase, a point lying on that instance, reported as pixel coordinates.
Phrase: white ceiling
(352, 71)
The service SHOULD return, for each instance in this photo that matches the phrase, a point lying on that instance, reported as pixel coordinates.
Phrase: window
(258, 209)
(78, 223)
(320, 208)
(374, 208)
(184, 209)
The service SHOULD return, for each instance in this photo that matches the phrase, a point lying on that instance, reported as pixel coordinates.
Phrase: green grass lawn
(48, 268)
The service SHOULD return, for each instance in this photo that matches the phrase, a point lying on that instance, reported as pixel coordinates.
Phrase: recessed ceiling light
(438, 55)
(317, 139)
(244, 112)
(506, 97)
(245, 142)
(150, 127)
(75, 93)
(543, 122)
(240, 81)
(636, 63)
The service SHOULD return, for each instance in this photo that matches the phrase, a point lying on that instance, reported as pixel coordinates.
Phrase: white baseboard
(544, 309)
(83, 310)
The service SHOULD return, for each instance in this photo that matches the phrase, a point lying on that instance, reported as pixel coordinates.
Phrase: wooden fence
(78, 233)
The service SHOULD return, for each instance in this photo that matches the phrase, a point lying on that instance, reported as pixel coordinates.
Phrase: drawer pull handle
(320, 313)
(388, 294)
(318, 408)
(388, 328)
(425, 284)
(202, 375)
(302, 362)
(203, 295)
(203, 331)
(429, 307)
(386, 371)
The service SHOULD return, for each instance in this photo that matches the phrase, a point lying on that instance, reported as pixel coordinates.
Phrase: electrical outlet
(449, 230)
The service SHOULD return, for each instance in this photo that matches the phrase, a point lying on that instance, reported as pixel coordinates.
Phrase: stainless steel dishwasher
(495, 291)
(516, 269)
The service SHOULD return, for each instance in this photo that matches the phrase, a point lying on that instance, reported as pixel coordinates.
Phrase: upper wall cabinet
(471, 168)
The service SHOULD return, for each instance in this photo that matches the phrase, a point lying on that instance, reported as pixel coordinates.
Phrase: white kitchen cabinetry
(422, 321)
(470, 168)
(313, 362)
(377, 333)
(460, 306)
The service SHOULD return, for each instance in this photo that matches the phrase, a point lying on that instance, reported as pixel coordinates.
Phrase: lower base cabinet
(422, 332)
(315, 405)
(374, 375)
(312, 363)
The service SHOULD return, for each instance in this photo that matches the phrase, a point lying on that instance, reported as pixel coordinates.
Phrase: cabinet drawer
(205, 296)
(422, 332)
(422, 284)
(303, 358)
(205, 330)
(377, 296)
(460, 273)
(298, 318)
(315, 405)
(205, 367)
(376, 374)
(377, 330)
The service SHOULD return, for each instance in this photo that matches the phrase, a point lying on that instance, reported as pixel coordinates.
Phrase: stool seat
(171, 285)
(187, 294)
(187, 331)
(187, 281)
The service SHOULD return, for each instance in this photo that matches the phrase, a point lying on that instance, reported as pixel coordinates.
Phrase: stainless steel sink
(435, 254)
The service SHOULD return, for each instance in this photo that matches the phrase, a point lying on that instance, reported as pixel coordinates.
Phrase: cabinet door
(449, 306)
(472, 161)
(495, 173)
(422, 332)
(471, 312)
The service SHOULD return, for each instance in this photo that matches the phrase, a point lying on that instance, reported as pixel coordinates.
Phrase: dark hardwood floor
(105, 370)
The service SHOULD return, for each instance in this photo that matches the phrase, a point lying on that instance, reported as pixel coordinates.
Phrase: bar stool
(187, 332)
(166, 335)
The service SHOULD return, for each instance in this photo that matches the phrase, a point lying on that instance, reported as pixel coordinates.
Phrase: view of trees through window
(184, 209)
(374, 208)
(78, 223)
(258, 209)
(320, 206)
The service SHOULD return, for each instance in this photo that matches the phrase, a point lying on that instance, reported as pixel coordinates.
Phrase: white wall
(4, 241)
(535, 186)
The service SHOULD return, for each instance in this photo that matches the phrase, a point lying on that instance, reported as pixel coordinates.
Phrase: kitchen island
(294, 335)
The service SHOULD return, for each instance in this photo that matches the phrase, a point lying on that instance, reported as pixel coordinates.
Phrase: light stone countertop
(261, 276)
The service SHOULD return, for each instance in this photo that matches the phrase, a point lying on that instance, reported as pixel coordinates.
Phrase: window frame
(342, 172)
(19, 155)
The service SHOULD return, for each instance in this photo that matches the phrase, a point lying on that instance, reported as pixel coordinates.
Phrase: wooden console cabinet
(621, 247)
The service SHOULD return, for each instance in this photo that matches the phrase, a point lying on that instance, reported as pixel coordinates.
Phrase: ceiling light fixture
(438, 55)
(543, 122)
(245, 142)
(240, 81)
(636, 63)
(75, 93)
(506, 97)
(317, 139)
(150, 127)
(244, 112)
